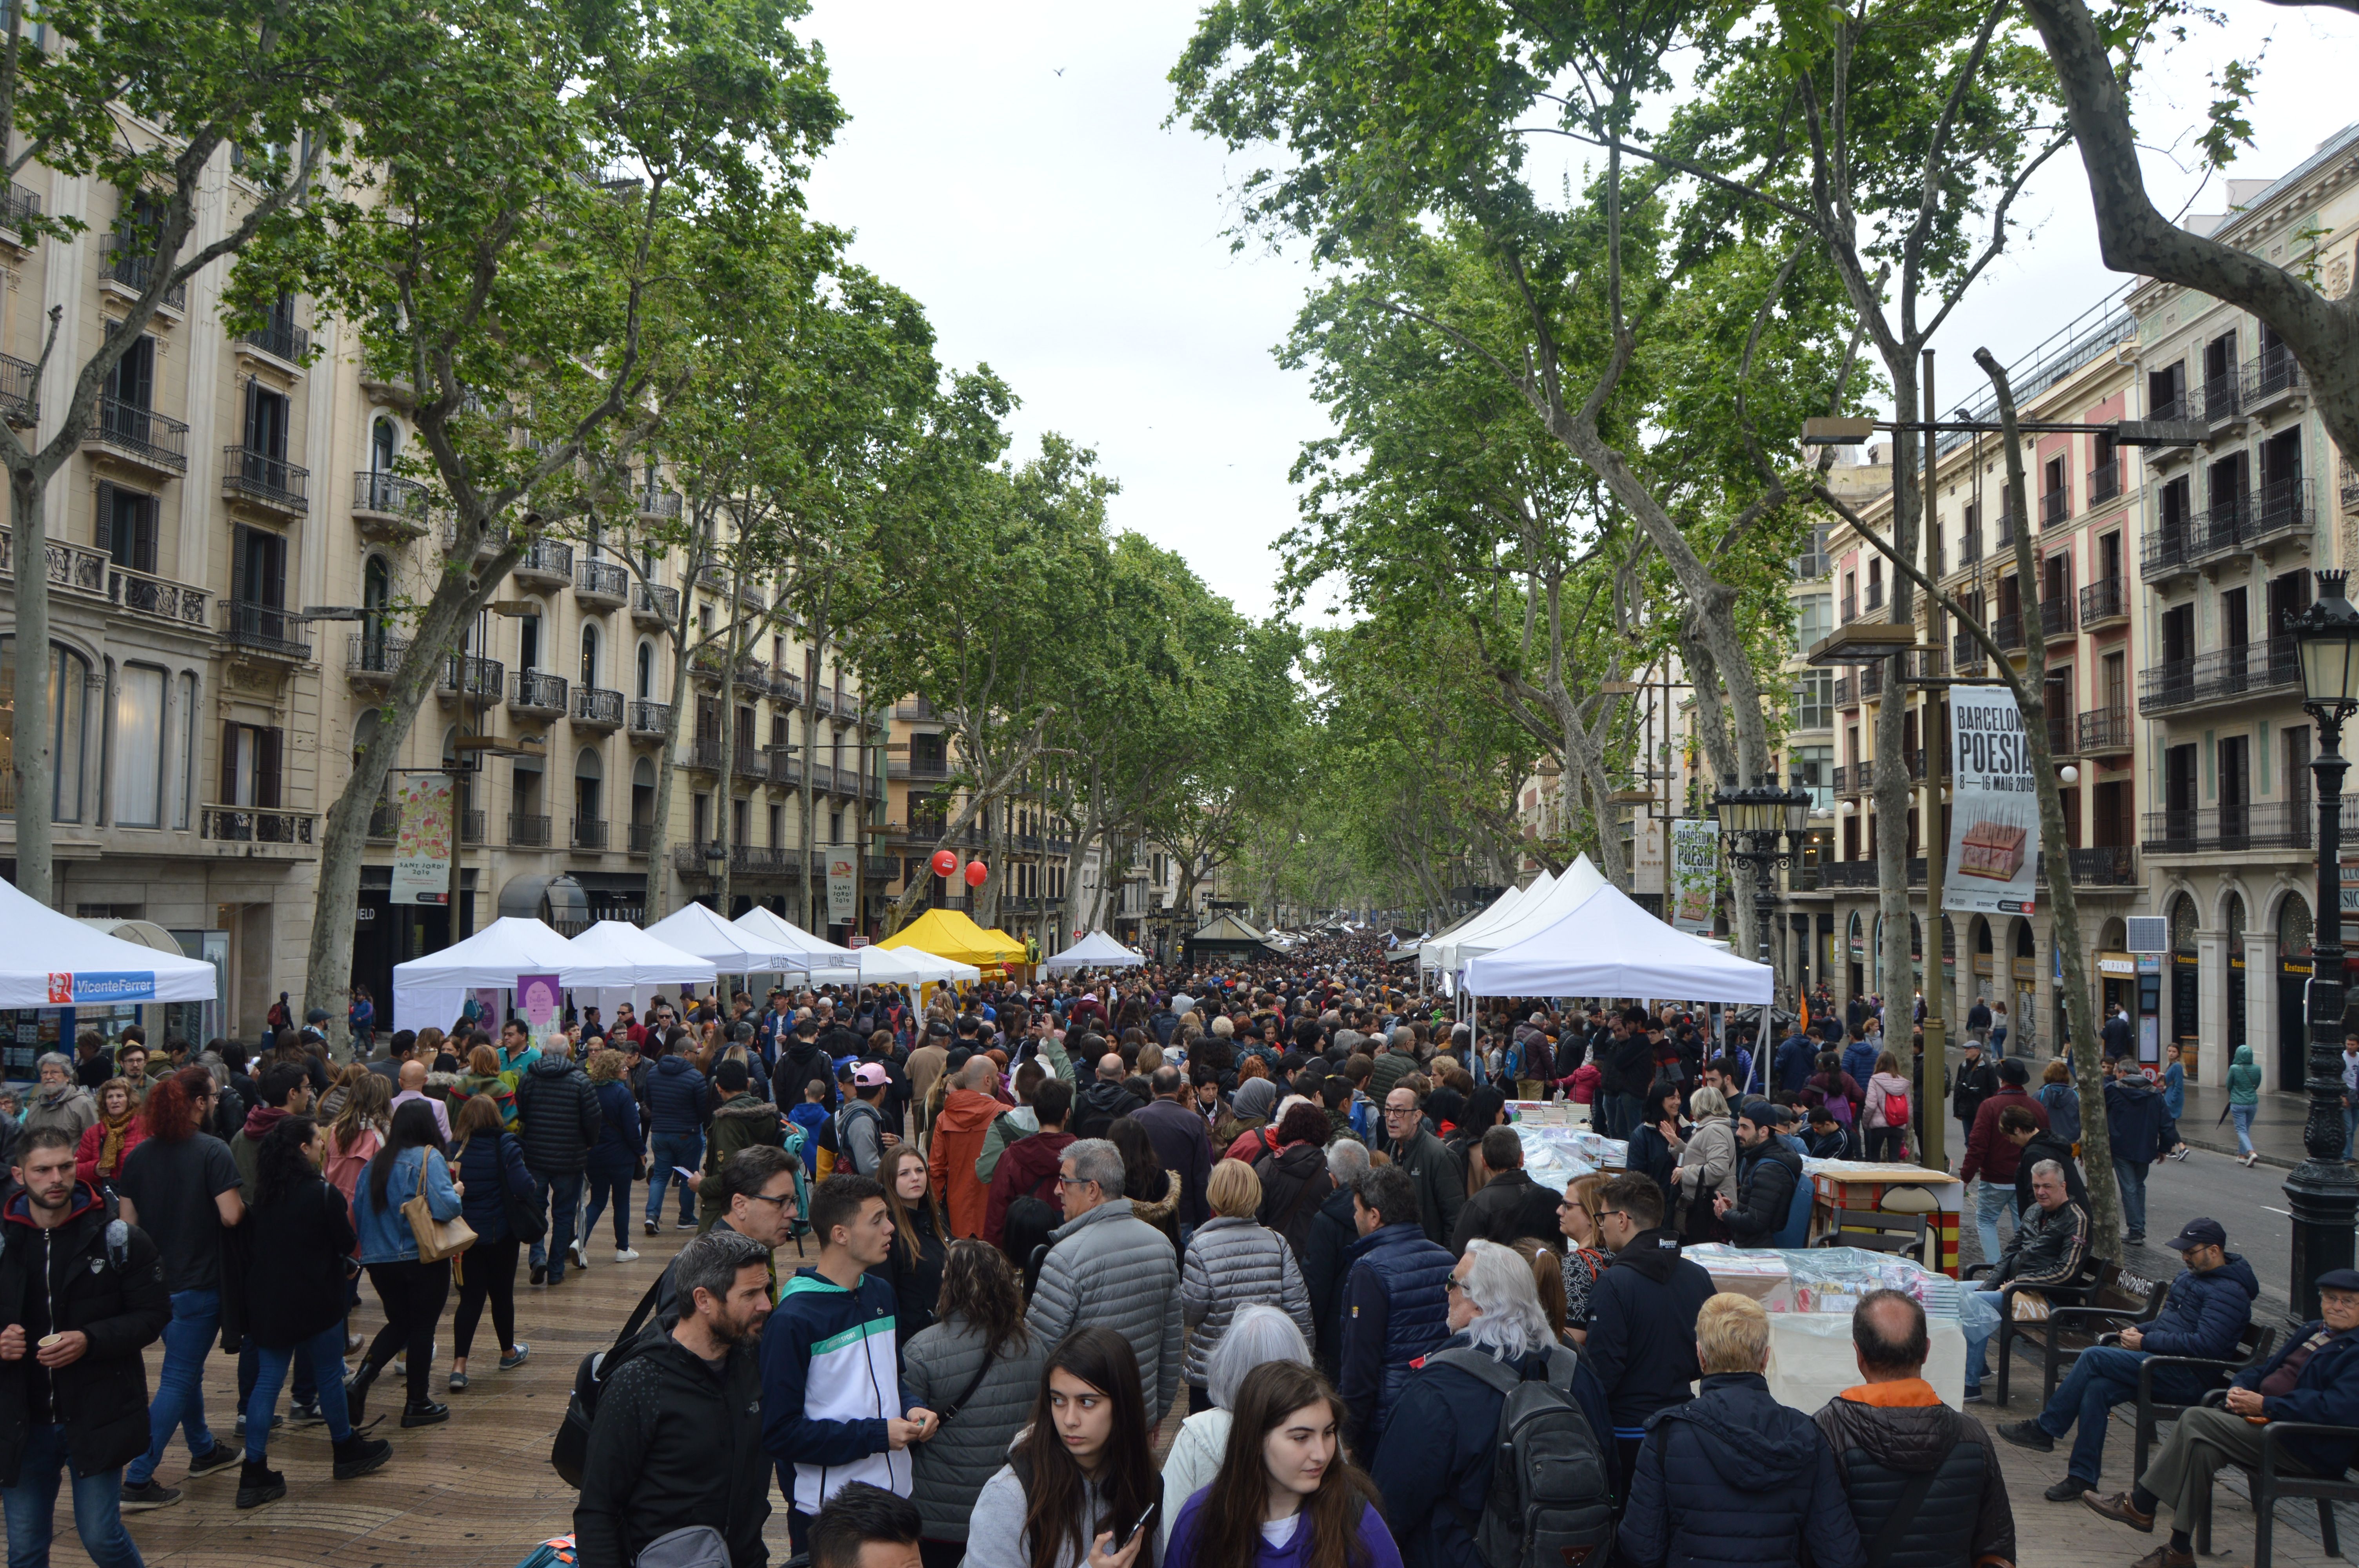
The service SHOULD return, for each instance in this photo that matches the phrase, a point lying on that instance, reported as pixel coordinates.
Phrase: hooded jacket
(1109, 1269)
(799, 1065)
(120, 1305)
(1884, 1434)
(1990, 1153)
(1097, 1108)
(558, 1109)
(1294, 1183)
(616, 1153)
(1767, 1176)
(2047, 1146)
(1028, 1169)
(1511, 1205)
(829, 1385)
(2136, 1125)
(2244, 1080)
(742, 1122)
(1734, 1480)
(953, 1147)
(676, 1098)
(67, 1107)
(675, 1445)
(1184, 1144)
(1642, 1314)
(1859, 1059)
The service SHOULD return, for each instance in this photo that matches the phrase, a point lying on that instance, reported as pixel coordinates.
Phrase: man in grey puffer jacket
(1109, 1269)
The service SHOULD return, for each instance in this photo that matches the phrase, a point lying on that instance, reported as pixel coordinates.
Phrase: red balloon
(977, 873)
(945, 862)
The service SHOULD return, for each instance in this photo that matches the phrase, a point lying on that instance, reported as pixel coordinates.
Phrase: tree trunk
(725, 805)
(33, 766)
(1895, 791)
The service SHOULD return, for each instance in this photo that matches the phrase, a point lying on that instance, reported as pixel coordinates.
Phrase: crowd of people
(1032, 1219)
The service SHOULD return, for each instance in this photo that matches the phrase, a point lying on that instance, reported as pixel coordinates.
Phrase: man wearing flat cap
(2206, 1313)
(2314, 1378)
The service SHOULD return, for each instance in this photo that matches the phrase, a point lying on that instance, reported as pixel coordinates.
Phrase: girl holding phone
(1080, 1487)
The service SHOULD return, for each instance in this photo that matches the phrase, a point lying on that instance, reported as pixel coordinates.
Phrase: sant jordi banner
(1695, 873)
(1995, 806)
(421, 850)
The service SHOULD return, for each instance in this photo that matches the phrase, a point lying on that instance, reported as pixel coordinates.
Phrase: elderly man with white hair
(1434, 1462)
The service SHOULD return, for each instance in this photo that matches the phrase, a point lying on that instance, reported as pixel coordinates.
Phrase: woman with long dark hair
(491, 1168)
(914, 1263)
(976, 1368)
(303, 1239)
(1079, 1487)
(1286, 1494)
(413, 1292)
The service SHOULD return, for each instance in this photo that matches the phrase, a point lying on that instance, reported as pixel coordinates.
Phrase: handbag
(943, 1418)
(437, 1238)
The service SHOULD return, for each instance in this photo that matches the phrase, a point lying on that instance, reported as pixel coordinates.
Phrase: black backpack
(571, 1450)
(1551, 1498)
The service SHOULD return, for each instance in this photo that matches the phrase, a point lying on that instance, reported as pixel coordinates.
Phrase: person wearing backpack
(1733, 1478)
(860, 1129)
(1500, 1452)
(1888, 1111)
(1028, 1169)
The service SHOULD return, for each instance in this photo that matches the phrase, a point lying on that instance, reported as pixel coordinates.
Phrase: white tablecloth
(1811, 1359)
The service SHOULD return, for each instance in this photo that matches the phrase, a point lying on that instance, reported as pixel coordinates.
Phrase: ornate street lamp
(1762, 827)
(2324, 1192)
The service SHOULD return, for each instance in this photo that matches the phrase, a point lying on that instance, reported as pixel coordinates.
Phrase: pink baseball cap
(869, 1075)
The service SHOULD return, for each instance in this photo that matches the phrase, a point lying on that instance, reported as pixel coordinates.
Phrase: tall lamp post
(2324, 1192)
(1762, 827)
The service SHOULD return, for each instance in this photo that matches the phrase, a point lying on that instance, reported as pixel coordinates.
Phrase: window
(529, 642)
(67, 697)
(2166, 392)
(646, 672)
(139, 748)
(1814, 619)
(265, 422)
(250, 764)
(385, 442)
(589, 656)
(1815, 700)
(778, 821)
(126, 527)
(132, 381)
(835, 828)
(184, 781)
(589, 778)
(1817, 766)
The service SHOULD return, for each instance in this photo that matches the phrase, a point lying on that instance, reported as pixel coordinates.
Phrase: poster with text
(421, 847)
(843, 886)
(1695, 873)
(1995, 806)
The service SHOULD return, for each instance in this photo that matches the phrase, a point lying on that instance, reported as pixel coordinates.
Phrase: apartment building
(2236, 524)
(2085, 516)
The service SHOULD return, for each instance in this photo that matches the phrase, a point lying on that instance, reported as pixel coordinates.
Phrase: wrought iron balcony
(20, 391)
(122, 261)
(654, 604)
(263, 629)
(917, 768)
(2226, 675)
(643, 837)
(470, 826)
(527, 831)
(371, 657)
(655, 503)
(2224, 397)
(704, 753)
(2105, 865)
(17, 206)
(1967, 652)
(280, 340)
(259, 825)
(266, 479)
(2104, 481)
(147, 437)
(2273, 375)
(546, 561)
(1969, 545)
(597, 707)
(2056, 618)
(604, 582)
(2260, 825)
(539, 692)
(2055, 507)
(2102, 601)
(384, 821)
(2007, 630)
(387, 506)
(1846, 692)
(2104, 730)
(484, 678)
(589, 833)
(649, 720)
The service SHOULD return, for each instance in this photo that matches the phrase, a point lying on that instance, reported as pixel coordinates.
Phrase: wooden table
(1853, 1185)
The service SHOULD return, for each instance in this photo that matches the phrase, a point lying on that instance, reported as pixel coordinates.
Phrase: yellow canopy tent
(947, 934)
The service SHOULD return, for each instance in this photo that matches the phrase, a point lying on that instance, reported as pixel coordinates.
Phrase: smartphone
(1125, 1537)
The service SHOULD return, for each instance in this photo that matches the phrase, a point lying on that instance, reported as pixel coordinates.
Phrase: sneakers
(258, 1484)
(625, 1255)
(575, 1255)
(428, 1414)
(2177, 1153)
(218, 1457)
(2067, 1491)
(539, 1272)
(358, 1455)
(516, 1358)
(2028, 1434)
(152, 1495)
(458, 1382)
(275, 1422)
(306, 1412)
(685, 1225)
(2120, 1509)
(653, 1227)
(2136, 1238)
(1974, 1394)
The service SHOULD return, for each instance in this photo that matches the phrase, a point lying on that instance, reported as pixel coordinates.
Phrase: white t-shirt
(1278, 1531)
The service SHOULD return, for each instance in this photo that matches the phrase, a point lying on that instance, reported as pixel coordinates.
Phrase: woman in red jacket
(111, 1138)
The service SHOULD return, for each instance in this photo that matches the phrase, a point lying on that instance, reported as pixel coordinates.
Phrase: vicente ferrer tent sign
(1995, 806)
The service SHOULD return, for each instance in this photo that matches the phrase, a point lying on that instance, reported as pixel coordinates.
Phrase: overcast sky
(1008, 165)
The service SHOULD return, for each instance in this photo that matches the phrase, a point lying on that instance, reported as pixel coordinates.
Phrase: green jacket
(1053, 1057)
(743, 1121)
(1004, 1129)
(2244, 1078)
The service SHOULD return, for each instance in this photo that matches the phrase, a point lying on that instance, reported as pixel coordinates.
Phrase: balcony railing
(1966, 651)
(643, 837)
(144, 433)
(704, 753)
(1872, 600)
(920, 710)
(2261, 825)
(654, 602)
(2271, 376)
(20, 390)
(2056, 617)
(1863, 873)
(384, 821)
(548, 558)
(258, 476)
(1970, 545)
(257, 824)
(2107, 598)
(749, 761)
(2062, 734)
(527, 831)
(1846, 692)
(2224, 397)
(602, 580)
(655, 503)
(263, 627)
(918, 767)
(120, 262)
(1850, 609)
(822, 777)
(2006, 629)
(470, 826)
(650, 718)
(787, 769)
(148, 595)
(596, 704)
(2104, 481)
(589, 833)
(2055, 507)
(2226, 675)
(16, 205)
(537, 691)
(484, 678)
(1871, 680)
(2107, 865)
(391, 496)
(280, 339)
(373, 656)
(2104, 730)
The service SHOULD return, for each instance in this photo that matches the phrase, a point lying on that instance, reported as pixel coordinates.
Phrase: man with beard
(677, 1438)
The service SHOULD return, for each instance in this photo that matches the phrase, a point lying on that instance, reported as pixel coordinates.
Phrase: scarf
(109, 1148)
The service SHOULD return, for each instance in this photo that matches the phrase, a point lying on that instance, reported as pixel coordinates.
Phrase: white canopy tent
(730, 949)
(651, 964)
(1441, 953)
(55, 960)
(1610, 946)
(765, 925)
(430, 990)
(1095, 951)
(875, 965)
(1533, 916)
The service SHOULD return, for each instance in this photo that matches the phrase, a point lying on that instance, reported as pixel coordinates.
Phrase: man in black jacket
(1642, 1313)
(1511, 1205)
(801, 1063)
(1767, 1174)
(558, 1111)
(1977, 1081)
(677, 1438)
(81, 1305)
(2018, 1127)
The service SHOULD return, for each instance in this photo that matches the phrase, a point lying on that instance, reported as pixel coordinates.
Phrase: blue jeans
(2130, 1177)
(2350, 1129)
(2106, 1376)
(1621, 1114)
(323, 1353)
(1978, 1319)
(564, 1190)
(1992, 1199)
(180, 1388)
(2241, 1117)
(32, 1506)
(604, 1188)
(682, 1149)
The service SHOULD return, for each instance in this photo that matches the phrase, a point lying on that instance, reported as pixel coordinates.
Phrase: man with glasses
(1434, 1172)
(1109, 1269)
(1642, 1312)
(757, 1185)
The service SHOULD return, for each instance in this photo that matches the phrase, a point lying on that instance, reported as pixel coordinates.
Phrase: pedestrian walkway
(2277, 1124)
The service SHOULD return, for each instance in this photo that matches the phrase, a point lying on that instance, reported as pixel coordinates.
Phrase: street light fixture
(2324, 1192)
(1762, 827)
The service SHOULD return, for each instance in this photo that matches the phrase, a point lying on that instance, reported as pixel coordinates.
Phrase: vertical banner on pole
(843, 884)
(1995, 806)
(421, 850)
(538, 997)
(1695, 873)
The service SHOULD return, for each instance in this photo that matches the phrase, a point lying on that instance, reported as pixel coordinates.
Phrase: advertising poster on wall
(1995, 806)
(1695, 873)
(421, 848)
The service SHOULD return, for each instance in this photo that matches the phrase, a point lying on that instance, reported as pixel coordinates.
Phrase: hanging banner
(421, 850)
(842, 885)
(1995, 806)
(1695, 873)
(539, 998)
